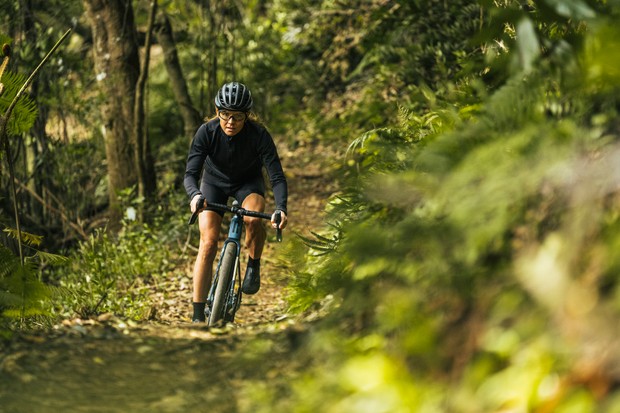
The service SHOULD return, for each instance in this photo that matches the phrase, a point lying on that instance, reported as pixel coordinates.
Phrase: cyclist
(230, 152)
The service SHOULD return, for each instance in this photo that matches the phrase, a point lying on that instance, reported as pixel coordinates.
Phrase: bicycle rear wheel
(226, 269)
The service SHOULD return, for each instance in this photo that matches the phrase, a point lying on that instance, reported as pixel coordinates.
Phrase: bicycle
(224, 297)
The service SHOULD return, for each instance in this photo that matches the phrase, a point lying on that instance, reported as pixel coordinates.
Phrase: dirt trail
(170, 365)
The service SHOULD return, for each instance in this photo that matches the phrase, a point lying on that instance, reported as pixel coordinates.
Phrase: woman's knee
(208, 246)
(254, 202)
(253, 224)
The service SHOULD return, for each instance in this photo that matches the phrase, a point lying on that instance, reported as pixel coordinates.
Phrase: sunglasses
(236, 117)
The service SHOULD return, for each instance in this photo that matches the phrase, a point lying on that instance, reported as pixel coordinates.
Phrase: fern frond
(24, 286)
(323, 238)
(9, 299)
(320, 243)
(54, 259)
(8, 262)
(61, 292)
(21, 292)
(25, 112)
(24, 312)
(361, 142)
(29, 239)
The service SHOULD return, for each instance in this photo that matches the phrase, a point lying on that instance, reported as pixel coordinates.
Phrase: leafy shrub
(23, 296)
(115, 273)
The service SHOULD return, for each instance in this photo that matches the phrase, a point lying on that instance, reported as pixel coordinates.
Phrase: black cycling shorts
(219, 193)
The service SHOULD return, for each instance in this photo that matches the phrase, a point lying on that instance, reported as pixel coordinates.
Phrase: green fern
(8, 263)
(27, 238)
(25, 112)
(22, 294)
(321, 244)
(53, 259)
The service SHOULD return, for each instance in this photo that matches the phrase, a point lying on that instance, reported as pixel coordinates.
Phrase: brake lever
(199, 207)
(278, 219)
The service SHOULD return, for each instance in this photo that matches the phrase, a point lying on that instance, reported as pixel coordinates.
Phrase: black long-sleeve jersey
(224, 160)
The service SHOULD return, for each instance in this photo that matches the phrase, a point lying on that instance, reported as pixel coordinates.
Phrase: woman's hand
(283, 219)
(196, 200)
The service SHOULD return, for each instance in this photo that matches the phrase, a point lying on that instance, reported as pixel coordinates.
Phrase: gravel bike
(224, 297)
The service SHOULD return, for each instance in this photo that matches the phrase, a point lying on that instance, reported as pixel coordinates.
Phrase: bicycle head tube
(236, 226)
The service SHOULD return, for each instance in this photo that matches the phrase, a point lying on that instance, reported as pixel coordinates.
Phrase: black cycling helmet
(234, 96)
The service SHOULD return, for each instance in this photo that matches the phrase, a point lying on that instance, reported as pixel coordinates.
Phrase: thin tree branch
(7, 114)
(50, 208)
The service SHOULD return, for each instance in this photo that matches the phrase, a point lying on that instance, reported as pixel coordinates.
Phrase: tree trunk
(117, 67)
(143, 158)
(214, 29)
(191, 117)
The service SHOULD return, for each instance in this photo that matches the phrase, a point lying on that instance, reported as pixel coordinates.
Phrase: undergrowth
(117, 273)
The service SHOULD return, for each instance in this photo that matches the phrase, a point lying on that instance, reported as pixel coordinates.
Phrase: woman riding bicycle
(230, 151)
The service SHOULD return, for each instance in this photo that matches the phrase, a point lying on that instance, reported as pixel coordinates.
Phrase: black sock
(254, 263)
(199, 311)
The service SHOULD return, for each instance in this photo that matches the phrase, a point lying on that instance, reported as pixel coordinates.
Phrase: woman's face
(231, 122)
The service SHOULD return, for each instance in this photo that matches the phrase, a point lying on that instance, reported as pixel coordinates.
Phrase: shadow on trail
(138, 370)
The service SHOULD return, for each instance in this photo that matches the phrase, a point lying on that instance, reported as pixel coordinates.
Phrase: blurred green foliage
(472, 263)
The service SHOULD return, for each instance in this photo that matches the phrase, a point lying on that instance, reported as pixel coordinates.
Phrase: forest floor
(168, 364)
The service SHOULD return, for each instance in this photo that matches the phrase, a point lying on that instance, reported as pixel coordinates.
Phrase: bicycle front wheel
(226, 269)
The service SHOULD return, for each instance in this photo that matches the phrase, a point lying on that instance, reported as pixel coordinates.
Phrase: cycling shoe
(251, 282)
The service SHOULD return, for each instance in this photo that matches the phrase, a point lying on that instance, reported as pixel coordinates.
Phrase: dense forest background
(469, 260)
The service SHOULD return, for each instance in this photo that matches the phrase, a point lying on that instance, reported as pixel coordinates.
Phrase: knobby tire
(227, 267)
